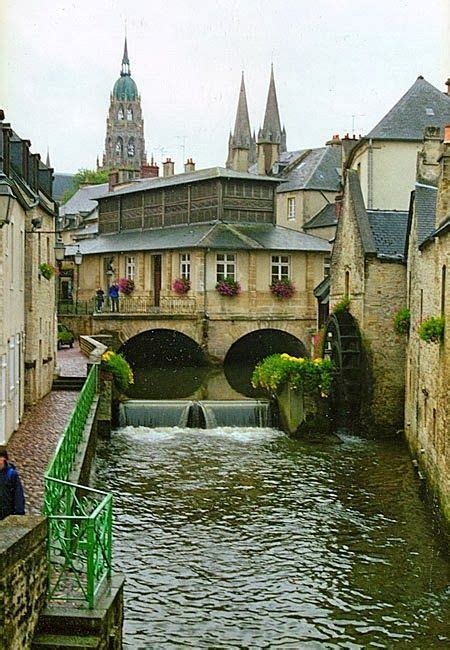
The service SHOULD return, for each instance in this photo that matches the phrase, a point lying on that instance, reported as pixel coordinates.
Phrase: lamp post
(77, 258)
(60, 252)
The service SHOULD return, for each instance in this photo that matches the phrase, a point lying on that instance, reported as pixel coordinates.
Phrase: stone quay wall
(23, 579)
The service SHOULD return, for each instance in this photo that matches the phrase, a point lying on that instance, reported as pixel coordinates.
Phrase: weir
(195, 414)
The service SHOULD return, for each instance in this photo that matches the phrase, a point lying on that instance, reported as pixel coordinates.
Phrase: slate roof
(326, 217)
(357, 199)
(82, 201)
(317, 170)
(389, 230)
(425, 199)
(218, 235)
(62, 183)
(421, 106)
(139, 184)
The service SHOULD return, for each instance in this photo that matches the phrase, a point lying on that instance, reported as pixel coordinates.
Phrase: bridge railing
(80, 518)
(132, 305)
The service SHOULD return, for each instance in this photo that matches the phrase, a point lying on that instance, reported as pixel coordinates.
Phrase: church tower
(241, 144)
(271, 137)
(124, 143)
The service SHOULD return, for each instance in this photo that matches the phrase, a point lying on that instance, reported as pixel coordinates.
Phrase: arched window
(120, 115)
(129, 114)
(131, 148)
(119, 146)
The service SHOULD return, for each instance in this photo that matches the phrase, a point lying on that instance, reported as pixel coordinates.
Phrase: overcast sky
(333, 59)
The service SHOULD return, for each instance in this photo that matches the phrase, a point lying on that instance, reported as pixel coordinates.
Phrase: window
(347, 284)
(281, 267)
(130, 268)
(291, 208)
(129, 114)
(226, 266)
(185, 266)
(119, 146)
(130, 148)
(443, 289)
(120, 113)
(326, 266)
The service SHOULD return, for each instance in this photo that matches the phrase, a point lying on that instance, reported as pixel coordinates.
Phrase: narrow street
(32, 445)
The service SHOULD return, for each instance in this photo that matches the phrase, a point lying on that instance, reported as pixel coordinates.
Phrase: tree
(86, 177)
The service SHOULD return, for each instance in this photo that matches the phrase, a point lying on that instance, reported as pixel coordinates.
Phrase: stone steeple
(124, 143)
(241, 143)
(271, 137)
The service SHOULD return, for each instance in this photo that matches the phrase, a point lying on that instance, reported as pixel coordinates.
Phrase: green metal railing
(80, 518)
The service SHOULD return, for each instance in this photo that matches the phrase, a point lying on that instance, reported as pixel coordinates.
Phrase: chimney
(335, 140)
(149, 171)
(447, 83)
(447, 134)
(168, 167)
(427, 168)
(113, 179)
(189, 166)
(443, 200)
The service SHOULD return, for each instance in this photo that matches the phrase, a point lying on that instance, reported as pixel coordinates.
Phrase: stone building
(427, 404)
(27, 298)
(201, 226)
(368, 267)
(124, 142)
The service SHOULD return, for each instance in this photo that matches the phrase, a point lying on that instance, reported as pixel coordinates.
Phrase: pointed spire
(125, 61)
(47, 160)
(242, 133)
(271, 129)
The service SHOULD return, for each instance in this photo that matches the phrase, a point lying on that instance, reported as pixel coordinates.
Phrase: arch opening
(167, 364)
(250, 349)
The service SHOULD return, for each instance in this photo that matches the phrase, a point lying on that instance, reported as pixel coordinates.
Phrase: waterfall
(208, 414)
(232, 413)
(154, 413)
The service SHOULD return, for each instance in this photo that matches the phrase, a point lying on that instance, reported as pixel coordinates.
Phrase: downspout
(370, 176)
(205, 319)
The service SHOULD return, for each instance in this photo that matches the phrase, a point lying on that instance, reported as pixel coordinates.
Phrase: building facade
(27, 304)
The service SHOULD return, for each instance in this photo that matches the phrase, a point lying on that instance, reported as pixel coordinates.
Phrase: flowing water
(245, 538)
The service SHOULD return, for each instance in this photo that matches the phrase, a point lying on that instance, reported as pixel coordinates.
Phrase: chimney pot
(447, 83)
(189, 166)
(168, 168)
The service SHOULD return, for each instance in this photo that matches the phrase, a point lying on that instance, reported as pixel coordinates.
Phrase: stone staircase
(68, 383)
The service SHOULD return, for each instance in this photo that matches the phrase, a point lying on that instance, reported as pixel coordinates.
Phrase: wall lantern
(60, 250)
(6, 200)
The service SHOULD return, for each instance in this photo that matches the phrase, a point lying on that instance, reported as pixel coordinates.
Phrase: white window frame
(185, 266)
(225, 266)
(130, 267)
(291, 208)
(280, 267)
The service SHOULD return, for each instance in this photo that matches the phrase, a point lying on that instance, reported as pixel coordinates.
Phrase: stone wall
(23, 579)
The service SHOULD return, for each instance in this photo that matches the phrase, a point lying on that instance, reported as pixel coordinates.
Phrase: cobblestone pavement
(33, 444)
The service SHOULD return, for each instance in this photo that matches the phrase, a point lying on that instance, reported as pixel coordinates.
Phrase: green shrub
(119, 367)
(402, 321)
(431, 330)
(277, 370)
(342, 306)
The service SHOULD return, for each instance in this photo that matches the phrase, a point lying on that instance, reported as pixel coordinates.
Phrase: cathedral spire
(271, 130)
(242, 133)
(125, 71)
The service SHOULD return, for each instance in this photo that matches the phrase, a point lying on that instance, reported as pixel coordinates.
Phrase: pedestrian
(99, 299)
(114, 296)
(12, 500)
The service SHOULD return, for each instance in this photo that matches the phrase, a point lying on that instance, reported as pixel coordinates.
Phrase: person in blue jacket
(114, 296)
(12, 499)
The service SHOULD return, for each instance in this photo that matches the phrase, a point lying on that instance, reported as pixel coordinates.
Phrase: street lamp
(60, 250)
(77, 258)
(6, 200)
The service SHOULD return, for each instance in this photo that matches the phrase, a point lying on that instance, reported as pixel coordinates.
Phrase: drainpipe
(370, 176)
(205, 325)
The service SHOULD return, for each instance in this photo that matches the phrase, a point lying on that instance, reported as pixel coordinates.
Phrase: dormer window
(429, 111)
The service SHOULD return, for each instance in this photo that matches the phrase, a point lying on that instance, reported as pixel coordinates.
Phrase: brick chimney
(348, 144)
(335, 140)
(113, 179)
(168, 167)
(427, 169)
(447, 83)
(189, 166)
(149, 171)
(338, 205)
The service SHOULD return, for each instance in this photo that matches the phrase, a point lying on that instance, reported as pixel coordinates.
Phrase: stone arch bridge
(215, 335)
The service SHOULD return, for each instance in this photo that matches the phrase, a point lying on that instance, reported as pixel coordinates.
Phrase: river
(245, 538)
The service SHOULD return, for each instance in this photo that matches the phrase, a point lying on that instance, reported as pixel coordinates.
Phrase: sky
(339, 66)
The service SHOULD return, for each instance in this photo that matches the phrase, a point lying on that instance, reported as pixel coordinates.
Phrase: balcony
(129, 306)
